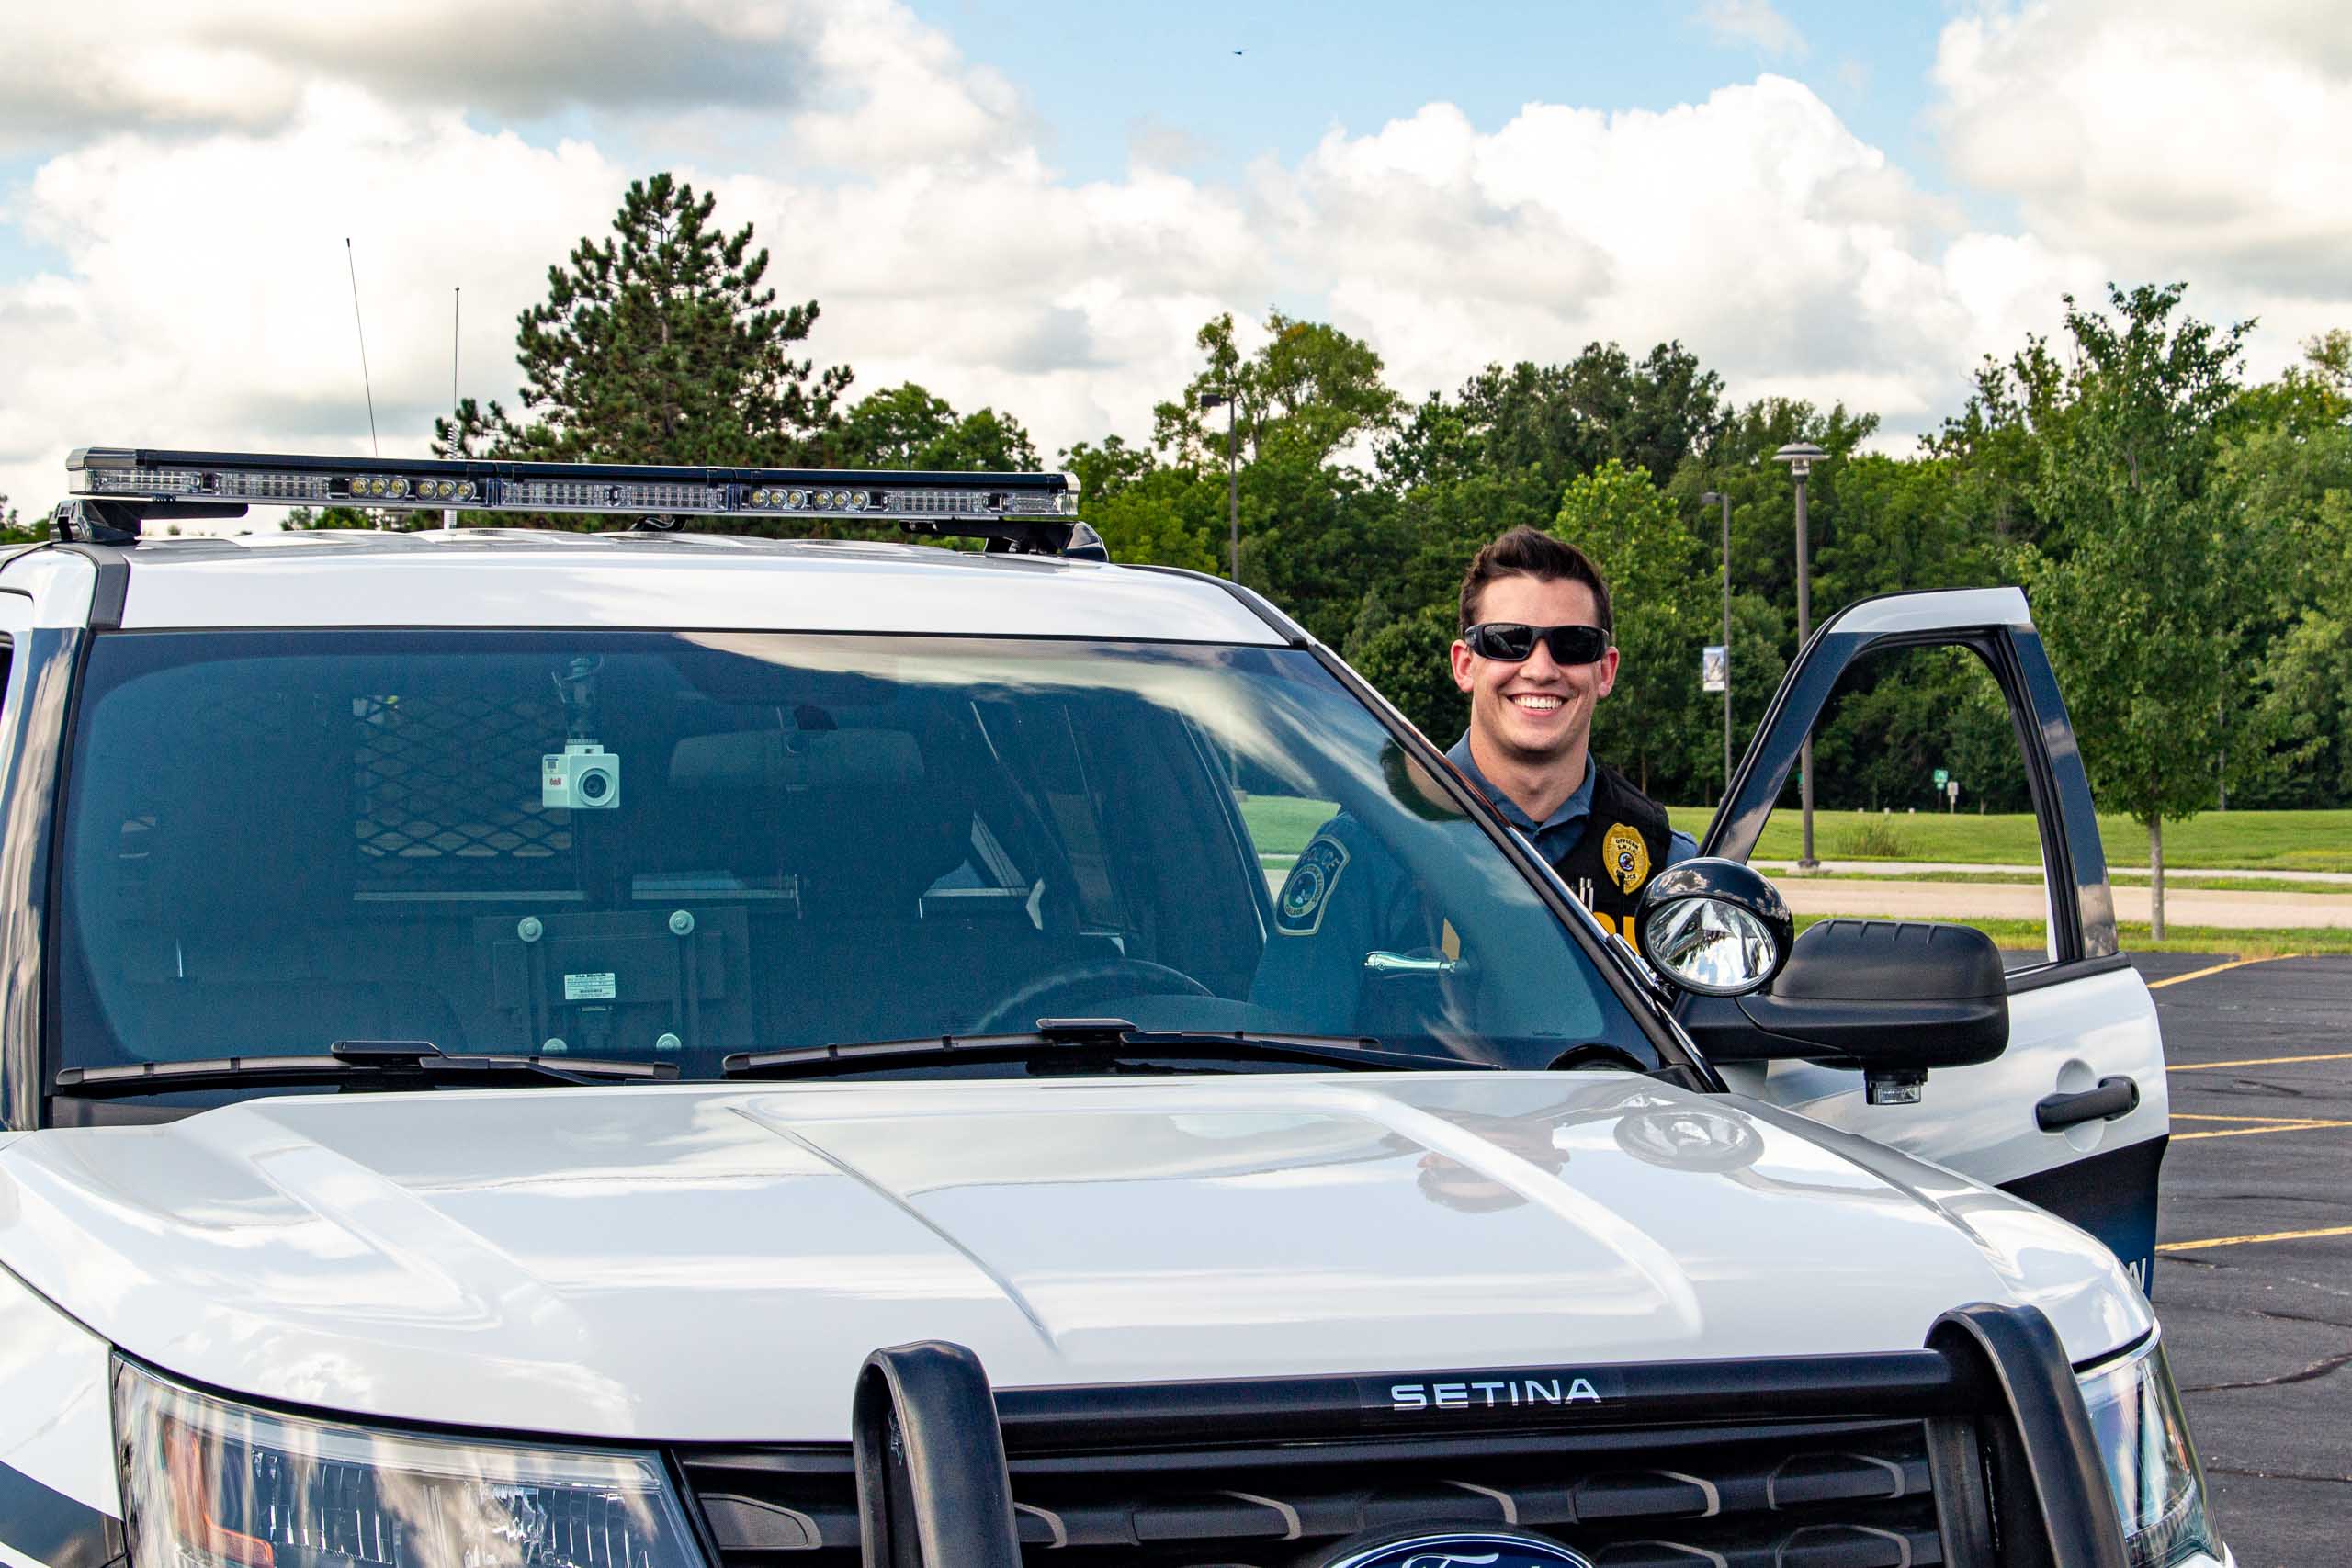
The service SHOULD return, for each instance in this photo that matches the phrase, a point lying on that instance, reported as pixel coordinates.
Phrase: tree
(2327, 358)
(1149, 514)
(1738, 463)
(1995, 443)
(1314, 532)
(1106, 470)
(1308, 395)
(1555, 421)
(1313, 538)
(2142, 585)
(1407, 662)
(2293, 484)
(659, 345)
(1656, 581)
(907, 427)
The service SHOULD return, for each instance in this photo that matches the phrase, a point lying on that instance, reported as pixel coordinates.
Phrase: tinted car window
(278, 841)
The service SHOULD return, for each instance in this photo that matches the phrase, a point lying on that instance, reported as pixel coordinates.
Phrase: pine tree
(660, 345)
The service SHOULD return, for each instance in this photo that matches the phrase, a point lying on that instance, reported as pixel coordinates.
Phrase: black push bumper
(2018, 1475)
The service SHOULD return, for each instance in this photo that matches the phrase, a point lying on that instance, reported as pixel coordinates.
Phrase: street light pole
(1232, 487)
(1725, 499)
(1801, 455)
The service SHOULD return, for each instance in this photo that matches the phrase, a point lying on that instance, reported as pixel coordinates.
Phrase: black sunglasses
(1509, 642)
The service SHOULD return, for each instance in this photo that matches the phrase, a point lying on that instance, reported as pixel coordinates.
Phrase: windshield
(674, 846)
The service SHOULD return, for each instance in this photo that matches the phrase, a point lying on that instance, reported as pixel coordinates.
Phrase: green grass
(1282, 824)
(2174, 881)
(2255, 840)
(2282, 840)
(2228, 942)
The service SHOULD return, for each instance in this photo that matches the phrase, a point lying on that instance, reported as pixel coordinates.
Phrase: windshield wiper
(1077, 1041)
(376, 1064)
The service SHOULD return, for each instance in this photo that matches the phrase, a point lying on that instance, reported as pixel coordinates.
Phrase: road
(2254, 1271)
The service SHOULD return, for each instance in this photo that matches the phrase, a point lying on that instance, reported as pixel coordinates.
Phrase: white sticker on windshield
(589, 988)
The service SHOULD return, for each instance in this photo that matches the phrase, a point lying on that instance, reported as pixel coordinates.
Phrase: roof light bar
(1020, 512)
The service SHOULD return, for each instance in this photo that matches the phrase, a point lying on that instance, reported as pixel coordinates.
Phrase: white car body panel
(60, 584)
(1939, 609)
(56, 1421)
(2081, 1018)
(2063, 1040)
(713, 1262)
(497, 578)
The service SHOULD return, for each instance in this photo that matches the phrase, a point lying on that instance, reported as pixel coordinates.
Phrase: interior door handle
(2113, 1097)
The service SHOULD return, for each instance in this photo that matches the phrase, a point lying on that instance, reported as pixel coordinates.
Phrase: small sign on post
(1943, 776)
(1951, 794)
(1715, 668)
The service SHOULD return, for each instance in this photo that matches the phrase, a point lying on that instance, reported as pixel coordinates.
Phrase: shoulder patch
(1627, 858)
(1298, 908)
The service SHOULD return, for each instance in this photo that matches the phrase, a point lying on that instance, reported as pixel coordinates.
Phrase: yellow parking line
(2216, 969)
(2252, 1131)
(2242, 1240)
(2208, 1116)
(2258, 1062)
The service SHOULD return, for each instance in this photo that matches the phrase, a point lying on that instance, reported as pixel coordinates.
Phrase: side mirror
(1896, 998)
(1714, 928)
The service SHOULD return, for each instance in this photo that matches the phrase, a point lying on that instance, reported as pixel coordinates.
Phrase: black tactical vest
(1625, 842)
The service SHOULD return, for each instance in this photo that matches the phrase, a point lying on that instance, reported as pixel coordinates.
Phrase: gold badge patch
(1627, 857)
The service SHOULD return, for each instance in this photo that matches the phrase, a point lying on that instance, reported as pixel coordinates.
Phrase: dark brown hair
(1530, 552)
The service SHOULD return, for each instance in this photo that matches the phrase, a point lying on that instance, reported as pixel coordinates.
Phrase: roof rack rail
(1022, 513)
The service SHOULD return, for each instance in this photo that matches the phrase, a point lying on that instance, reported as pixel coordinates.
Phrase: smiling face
(1537, 713)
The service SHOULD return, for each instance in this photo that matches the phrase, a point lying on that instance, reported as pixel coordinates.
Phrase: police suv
(664, 1049)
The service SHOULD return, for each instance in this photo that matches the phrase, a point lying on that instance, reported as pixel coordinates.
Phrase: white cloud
(248, 64)
(2173, 138)
(1752, 24)
(205, 301)
(1754, 226)
(209, 303)
(854, 82)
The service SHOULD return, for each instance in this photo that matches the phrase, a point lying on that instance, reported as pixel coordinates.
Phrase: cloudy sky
(1035, 203)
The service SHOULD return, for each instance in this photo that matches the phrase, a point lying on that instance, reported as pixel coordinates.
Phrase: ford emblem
(1454, 1549)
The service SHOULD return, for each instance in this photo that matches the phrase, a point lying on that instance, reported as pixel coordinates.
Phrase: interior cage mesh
(446, 793)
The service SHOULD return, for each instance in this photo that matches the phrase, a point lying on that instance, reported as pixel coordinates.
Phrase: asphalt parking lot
(2254, 1269)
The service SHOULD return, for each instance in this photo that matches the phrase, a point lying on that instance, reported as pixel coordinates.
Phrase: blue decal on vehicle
(2112, 1194)
(49, 1526)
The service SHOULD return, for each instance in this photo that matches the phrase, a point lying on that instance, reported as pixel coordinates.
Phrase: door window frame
(1996, 625)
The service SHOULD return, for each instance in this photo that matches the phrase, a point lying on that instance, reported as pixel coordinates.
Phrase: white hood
(714, 1262)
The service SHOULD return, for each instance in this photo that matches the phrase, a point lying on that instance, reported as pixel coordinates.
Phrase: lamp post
(1710, 497)
(1801, 455)
(1232, 486)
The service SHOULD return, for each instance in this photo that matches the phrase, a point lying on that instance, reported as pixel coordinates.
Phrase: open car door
(2073, 1115)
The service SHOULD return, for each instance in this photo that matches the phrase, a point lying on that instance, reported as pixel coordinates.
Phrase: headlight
(210, 1484)
(2151, 1465)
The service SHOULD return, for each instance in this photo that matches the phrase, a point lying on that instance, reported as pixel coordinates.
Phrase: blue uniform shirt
(1347, 896)
(1564, 829)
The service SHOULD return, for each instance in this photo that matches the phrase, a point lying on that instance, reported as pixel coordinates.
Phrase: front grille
(1795, 1495)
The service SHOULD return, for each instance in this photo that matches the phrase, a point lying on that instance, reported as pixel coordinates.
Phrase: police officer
(1535, 656)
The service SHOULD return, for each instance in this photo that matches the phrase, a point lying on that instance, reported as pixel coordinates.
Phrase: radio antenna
(456, 301)
(362, 325)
